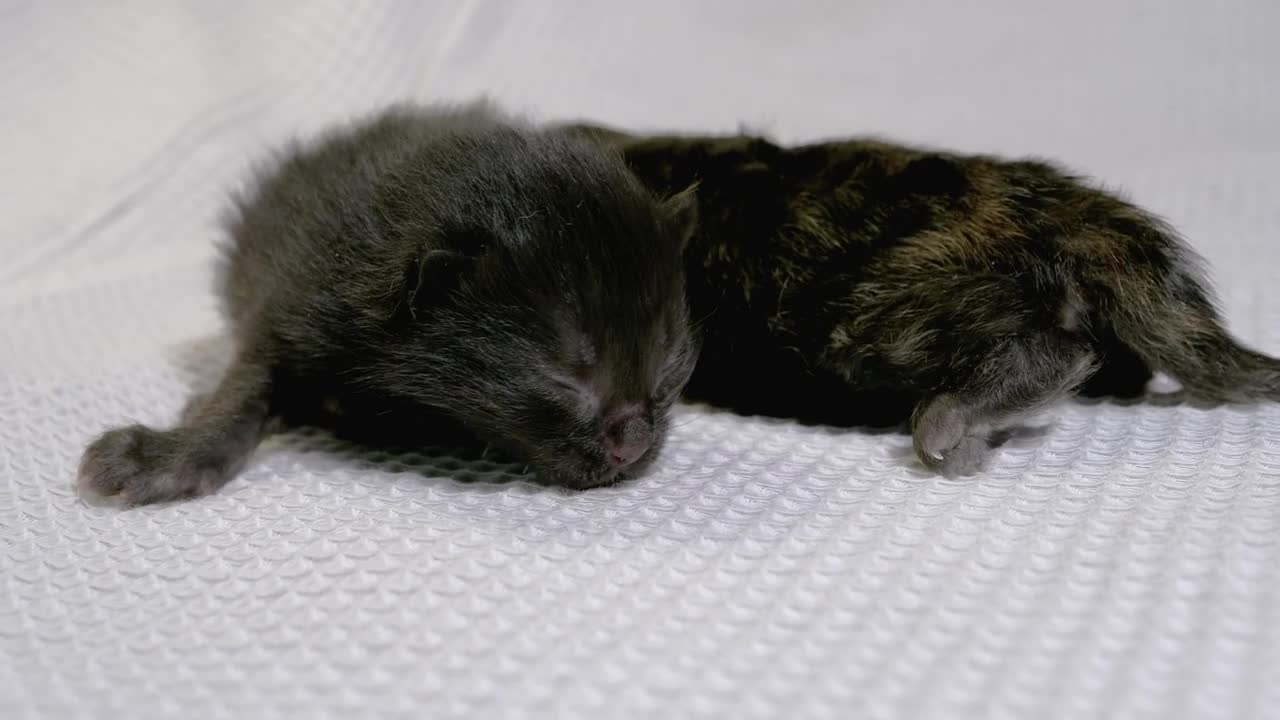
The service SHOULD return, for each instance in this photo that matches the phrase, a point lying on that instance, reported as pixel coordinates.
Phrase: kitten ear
(469, 240)
(435, 273)
(431, 276)
(681, 214)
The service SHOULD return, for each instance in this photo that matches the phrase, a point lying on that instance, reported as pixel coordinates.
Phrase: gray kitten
(438, 267)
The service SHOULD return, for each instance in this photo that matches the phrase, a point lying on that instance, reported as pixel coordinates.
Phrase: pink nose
(622, 455)
(627, 437)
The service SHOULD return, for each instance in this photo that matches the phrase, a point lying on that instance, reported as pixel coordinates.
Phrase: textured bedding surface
(1125, 563)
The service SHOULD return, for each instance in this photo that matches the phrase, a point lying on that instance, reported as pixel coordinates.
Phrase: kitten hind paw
(137, 465)
(947, 442)
(967, 457)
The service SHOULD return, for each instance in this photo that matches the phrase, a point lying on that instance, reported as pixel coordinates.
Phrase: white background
(1124, 565)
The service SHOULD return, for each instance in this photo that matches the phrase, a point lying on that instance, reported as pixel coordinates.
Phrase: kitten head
(548, 314)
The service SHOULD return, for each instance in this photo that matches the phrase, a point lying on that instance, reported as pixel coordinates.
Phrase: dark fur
(859, 281)
(438, 265)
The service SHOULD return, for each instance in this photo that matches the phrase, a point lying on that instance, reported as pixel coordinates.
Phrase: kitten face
(566, 340)
(592, 405)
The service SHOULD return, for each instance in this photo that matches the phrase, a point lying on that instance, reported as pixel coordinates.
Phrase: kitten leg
(141, 465)
(952, 430)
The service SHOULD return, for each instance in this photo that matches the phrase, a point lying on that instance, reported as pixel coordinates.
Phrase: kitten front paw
(136, 465)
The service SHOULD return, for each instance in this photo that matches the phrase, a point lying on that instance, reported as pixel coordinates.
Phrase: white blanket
(1126, 564)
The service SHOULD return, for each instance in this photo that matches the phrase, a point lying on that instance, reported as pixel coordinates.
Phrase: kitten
(960, 292)
(519, 282)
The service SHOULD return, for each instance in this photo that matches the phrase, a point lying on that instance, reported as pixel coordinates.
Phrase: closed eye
(575, 393)
(568, 386)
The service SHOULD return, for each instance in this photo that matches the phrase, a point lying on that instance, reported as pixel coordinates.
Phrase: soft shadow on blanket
(398, 437)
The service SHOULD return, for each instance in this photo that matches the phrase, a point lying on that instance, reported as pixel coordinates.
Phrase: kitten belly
(767, 376)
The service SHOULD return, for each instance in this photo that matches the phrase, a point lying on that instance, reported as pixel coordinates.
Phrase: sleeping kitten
(963, 291)
(456, 262)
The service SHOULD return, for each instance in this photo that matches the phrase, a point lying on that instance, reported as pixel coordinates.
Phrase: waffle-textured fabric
(1125, 563)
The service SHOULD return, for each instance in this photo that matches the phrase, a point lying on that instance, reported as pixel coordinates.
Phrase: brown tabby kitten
(963, 291)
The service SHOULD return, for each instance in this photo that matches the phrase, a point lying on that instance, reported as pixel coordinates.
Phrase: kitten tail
(1175, 328)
